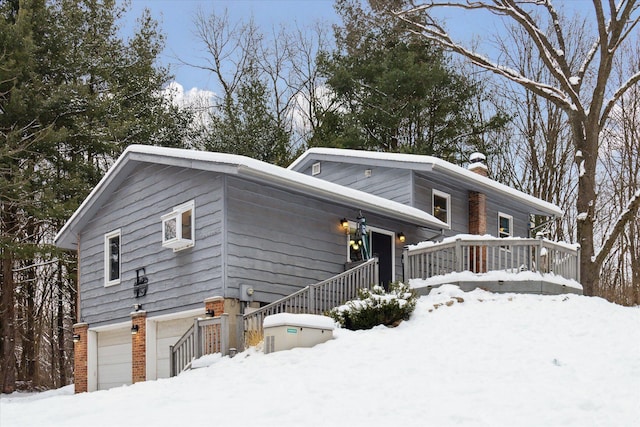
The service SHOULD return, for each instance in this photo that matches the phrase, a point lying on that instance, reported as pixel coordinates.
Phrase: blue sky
(175, 18)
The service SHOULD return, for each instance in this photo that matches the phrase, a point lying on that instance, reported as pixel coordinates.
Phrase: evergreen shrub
(376, 307)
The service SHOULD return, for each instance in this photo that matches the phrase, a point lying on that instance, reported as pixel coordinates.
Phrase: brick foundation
(139, 347)
(80, 358)
(213, 305)
(216, 304)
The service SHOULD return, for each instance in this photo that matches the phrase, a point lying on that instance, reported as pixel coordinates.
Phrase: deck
(537, 266)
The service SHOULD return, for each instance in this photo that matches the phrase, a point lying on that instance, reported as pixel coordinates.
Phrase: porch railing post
(196, 338)
(224, 334)
(312, 297)
(172, 366)
(578, 264)
(406, 273)
(458, 255)
(376, 272)
(240, 330)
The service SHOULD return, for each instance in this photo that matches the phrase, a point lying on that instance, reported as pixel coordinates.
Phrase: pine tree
(73, 95)
(394, 91)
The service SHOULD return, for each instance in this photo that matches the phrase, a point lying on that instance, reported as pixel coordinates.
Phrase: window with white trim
(441, 203)
(315, 169)
(112, 263)
(178, 231)
(505, 225)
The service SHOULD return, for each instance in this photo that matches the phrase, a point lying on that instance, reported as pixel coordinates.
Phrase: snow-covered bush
(376, 307)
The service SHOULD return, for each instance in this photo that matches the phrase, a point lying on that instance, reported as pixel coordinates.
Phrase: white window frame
(107, 257)
(178, 242)
(502, 234)
(436, 193)
(315, 169)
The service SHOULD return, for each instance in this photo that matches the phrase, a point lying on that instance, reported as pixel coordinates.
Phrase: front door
(382, 247)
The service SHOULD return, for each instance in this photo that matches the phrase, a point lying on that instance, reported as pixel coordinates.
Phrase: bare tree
(583, 90)
(283, 61)
(620, 176)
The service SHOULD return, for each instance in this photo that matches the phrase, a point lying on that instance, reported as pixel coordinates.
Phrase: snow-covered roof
(423, 163)
(241, 166)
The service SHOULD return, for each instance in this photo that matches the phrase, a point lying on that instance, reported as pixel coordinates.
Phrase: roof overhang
(242, 166)
(476, 182)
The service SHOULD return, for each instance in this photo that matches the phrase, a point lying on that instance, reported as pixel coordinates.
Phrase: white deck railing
(320, 297)
(480, 254)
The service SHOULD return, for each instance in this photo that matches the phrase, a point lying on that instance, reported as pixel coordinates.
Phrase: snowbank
(464, 359)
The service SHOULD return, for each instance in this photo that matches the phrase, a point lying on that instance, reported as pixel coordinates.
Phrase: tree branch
(627, 215)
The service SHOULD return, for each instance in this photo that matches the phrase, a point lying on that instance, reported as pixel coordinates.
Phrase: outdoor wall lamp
(211, 313)
(76, 338)
(344, 223)
(402, 237)
(134, 329)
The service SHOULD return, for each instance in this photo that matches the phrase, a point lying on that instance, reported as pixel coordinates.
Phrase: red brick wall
(80, 368)
(216, 304)
(213, 332)
(478, 225)
(139, 347)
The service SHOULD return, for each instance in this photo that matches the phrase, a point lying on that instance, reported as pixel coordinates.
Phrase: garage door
(114, 358)
(168, 333)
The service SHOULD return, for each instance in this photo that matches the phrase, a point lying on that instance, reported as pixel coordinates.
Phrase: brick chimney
(477, 164)
(478, 211)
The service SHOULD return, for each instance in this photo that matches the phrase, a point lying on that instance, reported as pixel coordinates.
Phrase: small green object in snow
(292, 331)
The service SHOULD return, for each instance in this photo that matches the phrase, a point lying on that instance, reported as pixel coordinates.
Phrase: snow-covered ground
(478, 359)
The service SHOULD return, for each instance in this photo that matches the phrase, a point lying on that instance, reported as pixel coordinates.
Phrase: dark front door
(381, 247)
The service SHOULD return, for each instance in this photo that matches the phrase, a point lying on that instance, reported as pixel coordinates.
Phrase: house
(169, 235)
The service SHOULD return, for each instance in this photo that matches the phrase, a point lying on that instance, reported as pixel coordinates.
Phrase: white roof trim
(435, 163)
(271, 173)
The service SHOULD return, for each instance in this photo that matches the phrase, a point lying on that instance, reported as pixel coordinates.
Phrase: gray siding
(280, 241)
(177, 281)
(390, 183)
(520, 217)
(424, 183)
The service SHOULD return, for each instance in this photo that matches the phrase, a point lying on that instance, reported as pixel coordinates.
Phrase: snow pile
(463, 359)
(495, 276)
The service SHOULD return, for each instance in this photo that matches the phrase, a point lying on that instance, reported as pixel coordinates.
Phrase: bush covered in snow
(376, 307)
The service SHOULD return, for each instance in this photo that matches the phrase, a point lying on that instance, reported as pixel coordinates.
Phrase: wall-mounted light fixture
(137, 307)
(134, 329)
(402, 237)
(76, 338)
(344, 223)
(211, 313)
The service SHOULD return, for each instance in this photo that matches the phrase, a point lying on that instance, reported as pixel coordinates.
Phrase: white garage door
(114, 358)
(168, 333)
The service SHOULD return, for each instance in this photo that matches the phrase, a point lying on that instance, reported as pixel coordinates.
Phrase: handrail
(481, 254)
(205, 336)
(320, 297)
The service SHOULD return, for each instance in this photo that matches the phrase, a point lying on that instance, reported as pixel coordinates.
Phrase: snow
(255, 169)
(582, 216)
(463, 359)
(301, 320)
(411, 160)
(574, 80)
(484, 237)
(493, 276)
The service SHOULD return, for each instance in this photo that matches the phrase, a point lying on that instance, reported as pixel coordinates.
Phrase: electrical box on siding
(285, 331)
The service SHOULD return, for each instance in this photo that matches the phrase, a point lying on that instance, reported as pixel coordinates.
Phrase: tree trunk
(62, 375)
(8, 326)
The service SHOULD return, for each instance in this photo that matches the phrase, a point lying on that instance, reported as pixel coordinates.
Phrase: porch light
(402, 237)
(344, 223)
(76, 338)
(134, 329)
(211, 313)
